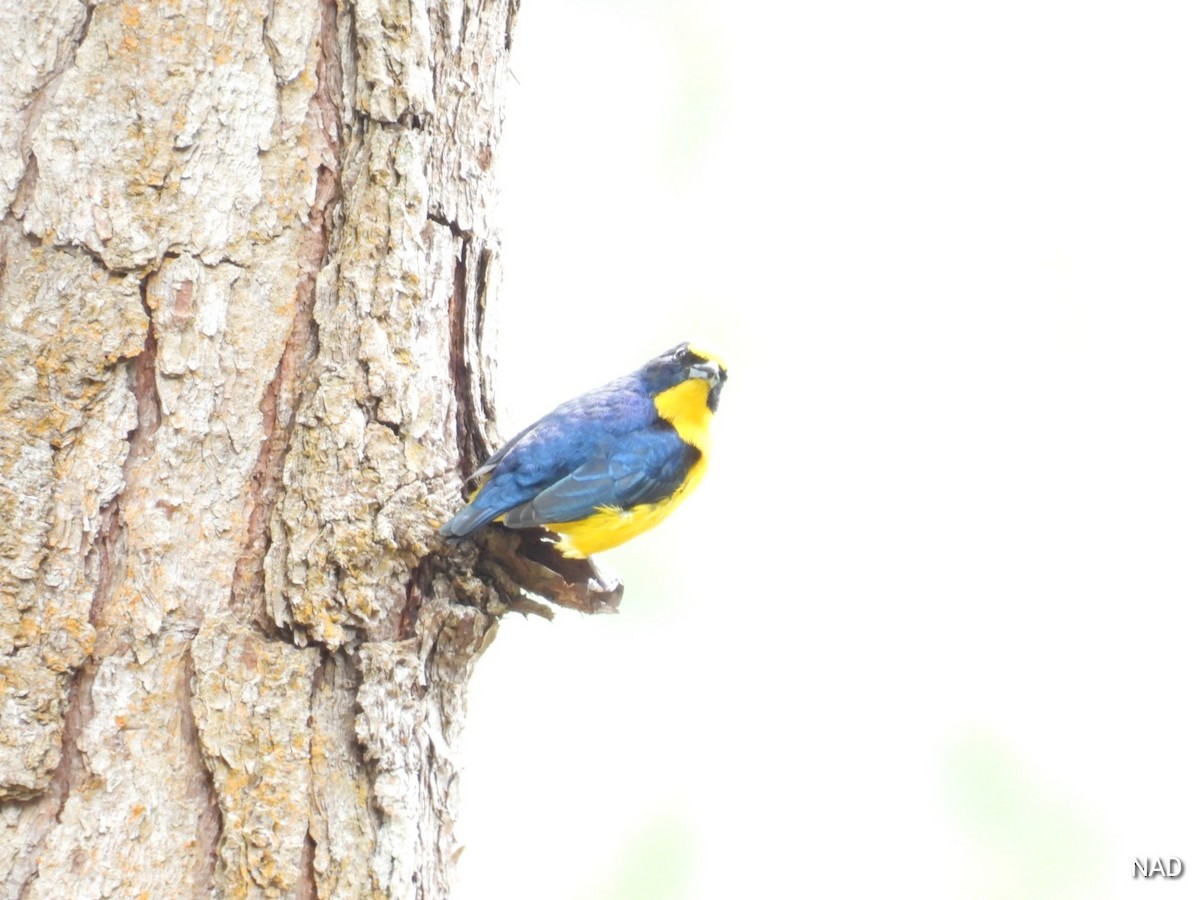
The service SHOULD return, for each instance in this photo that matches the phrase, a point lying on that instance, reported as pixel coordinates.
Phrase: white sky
(930, 626)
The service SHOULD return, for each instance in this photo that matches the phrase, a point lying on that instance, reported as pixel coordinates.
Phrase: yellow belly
(685, 406)
(610, 526)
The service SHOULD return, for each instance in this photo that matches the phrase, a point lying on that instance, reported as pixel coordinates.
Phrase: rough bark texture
(246, 266)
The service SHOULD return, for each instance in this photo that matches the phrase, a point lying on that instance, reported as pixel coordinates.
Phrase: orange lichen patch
(155, 177)
(80, 630)
(306, 81)
(30, 627)
(179, 119)
(318, 747)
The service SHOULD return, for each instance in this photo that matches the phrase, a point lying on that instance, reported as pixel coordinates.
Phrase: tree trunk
(247, 265)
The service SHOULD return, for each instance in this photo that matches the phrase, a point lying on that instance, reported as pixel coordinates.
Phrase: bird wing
(494, 460)
(552, 448)
(642, 467)
(567, 433)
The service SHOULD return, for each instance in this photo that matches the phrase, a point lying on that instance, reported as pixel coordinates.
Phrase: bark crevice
(209, 822)
(144, 384)
(281, 397)
(72, 767)
(471, 451)
(278, 408)
(306, 887)
(50, 805)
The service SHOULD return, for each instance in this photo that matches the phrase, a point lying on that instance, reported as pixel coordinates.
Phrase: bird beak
(709, 371)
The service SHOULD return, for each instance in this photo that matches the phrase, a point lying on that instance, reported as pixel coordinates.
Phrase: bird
(607, 465)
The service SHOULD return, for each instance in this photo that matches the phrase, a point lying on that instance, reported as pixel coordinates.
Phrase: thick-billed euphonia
(609, 464)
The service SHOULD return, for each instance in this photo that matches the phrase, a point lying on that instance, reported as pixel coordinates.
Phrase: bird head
(683, 363)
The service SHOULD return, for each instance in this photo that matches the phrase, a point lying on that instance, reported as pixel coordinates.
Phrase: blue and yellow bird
(609, 464)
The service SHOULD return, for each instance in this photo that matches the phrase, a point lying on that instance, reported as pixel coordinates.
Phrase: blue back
(611, 439)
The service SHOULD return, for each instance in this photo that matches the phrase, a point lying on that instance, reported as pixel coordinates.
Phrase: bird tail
(469, 519)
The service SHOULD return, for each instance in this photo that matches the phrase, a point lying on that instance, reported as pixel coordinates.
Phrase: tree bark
(247, 264)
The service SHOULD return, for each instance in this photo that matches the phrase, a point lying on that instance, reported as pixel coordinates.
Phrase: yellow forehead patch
(707, 357)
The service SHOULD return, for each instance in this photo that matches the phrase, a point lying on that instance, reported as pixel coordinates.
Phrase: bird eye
(681, 352)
